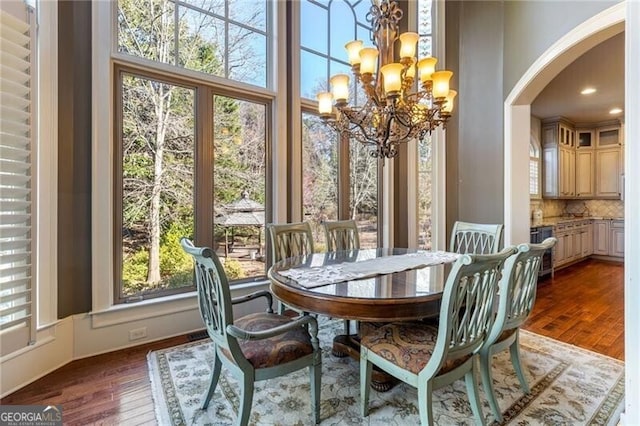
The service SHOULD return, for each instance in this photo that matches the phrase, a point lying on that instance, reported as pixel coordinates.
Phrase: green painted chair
(429, 357)
(476, 238)
(257, 346)
(342, 235)
(290, 240)
(517, 296)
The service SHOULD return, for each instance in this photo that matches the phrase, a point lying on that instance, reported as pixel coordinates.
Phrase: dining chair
(476, 238)
(254, 347)
(341, 235)
(429, 357)
(517, 295)
(290, 240)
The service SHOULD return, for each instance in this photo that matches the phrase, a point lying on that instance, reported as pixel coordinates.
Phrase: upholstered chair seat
(409, 345)
(274, 350)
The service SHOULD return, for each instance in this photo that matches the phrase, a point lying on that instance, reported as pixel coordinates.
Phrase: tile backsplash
(607, 208)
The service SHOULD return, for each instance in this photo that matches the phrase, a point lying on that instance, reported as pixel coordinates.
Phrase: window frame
(535, 146)
(106, 61)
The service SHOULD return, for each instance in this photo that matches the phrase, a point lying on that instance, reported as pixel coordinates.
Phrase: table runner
(317, 276)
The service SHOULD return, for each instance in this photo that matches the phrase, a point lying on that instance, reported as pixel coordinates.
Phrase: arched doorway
(517, 112)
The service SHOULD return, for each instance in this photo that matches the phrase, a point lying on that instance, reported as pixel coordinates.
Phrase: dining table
(374, 285)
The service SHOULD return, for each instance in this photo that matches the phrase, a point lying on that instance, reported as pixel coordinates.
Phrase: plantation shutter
(17, 324)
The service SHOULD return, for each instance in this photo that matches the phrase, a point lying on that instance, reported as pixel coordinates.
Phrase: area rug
(569, 386)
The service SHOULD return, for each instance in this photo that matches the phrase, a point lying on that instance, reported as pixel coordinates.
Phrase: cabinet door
(616, 243)
(587, 240)
(550, 172)
(601, 237)
(585, 139)
(608, 172)
(576, 238)
(559, 255)
(585, 161)
(567, 172)
(608, 136)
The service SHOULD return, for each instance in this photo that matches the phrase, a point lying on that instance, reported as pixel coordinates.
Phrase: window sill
(161, 306)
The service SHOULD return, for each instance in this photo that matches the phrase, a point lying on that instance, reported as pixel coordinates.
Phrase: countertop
(558, 220)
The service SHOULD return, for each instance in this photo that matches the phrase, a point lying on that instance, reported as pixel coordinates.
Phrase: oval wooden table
(407, 295)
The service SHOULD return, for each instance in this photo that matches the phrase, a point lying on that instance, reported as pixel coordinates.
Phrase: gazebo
(243, 212)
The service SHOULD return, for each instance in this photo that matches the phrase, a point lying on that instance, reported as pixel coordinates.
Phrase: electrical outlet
(138, 333)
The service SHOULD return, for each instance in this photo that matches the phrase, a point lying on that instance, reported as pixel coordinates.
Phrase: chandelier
(395, 111)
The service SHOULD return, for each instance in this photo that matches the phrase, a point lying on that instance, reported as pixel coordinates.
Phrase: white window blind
(17, 326)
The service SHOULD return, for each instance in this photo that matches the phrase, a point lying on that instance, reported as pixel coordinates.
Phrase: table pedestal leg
(349, 345)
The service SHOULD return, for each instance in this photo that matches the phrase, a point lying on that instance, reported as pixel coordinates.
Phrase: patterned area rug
(569, 386)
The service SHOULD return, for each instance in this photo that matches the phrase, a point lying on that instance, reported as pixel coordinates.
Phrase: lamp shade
(392, 74)
(353, 51)
(340, 88)
(448, 106)
(426, 67)
(441, 83)
(324, 103)
(408, 43)
(368, 60)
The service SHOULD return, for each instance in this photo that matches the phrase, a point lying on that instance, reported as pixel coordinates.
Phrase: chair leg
(487, 383)
(365, 382)
(245, 401)
(213, 380)
(425, 403)
(514, 350)
(316, 376)
(472, 391)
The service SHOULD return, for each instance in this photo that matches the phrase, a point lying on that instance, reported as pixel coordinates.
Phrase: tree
(158, 117)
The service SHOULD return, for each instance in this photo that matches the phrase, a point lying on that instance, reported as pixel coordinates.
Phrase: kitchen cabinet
(616, 238)
(559, 177)
(609, 169)
(609, 136)
(559, 159)
(608, 237)
(601, 237)
(585, 165)
(585, 139)
(575, 242)
(586, 237)
(582, 163)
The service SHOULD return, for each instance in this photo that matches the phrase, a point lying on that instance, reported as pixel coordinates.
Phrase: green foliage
(173, 259)
(233, 269)
(134, 271)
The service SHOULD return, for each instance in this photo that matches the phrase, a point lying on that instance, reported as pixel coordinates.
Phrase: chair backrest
(214, 296)
(341, 235)
(289, 240)
(475, 238)
(466, 313)
(518, 286)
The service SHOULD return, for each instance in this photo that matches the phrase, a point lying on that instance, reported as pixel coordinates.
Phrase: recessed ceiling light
(588, 90)
(615, 111)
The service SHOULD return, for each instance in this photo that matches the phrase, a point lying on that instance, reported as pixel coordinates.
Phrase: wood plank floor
(582, 305)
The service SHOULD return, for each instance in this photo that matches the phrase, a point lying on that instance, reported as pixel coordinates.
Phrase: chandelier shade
(396, 109)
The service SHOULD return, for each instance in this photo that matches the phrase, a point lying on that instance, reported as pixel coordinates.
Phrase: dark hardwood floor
(582, 305)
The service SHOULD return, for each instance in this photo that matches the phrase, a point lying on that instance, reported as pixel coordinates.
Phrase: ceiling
(602, 68)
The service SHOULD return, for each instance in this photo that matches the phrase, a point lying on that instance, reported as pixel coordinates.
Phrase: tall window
(228, 39)
(192, 154)
(425, 146)
(325, 28)
(17, 159)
